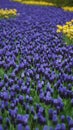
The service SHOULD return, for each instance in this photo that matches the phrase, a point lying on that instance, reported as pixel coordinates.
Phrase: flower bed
(67, 30)
(67, 8)
(46, 3)
(7, 13)
(36, 70)
(43, 3)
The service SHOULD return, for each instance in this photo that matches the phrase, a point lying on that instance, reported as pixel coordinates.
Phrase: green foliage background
(62, 2)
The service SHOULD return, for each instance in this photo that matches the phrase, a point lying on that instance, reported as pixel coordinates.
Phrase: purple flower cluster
(36, 70)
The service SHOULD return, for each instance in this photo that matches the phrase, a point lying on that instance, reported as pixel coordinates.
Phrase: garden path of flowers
(36, 70)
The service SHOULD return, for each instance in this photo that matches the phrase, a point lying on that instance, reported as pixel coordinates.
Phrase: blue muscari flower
(39, 86)
(71, 128)
(50, 112)
(13, 113)
(68, 118)
(27, 108)
(12, 105)
(5, 96)
(21, 99)
(35, 117)
(28, 91)
(41, 96)
(32, 110)
(55, 112)
(7, 122)
(1, 128)
(63, 126)
(41, 110)
(37, 76)
(27, 98)
(62, 118)
(31, 100)
(55, 102)
(23, 89)
(17, 88)
(25, 119)
(19, 127)
(2, 107)
(19, 118)
(51, 128)
(54, 119)
(41, 119)
(46, 127)
(48, 94)
(27, 127)
(58, 127)
(70, 123)
(5, 77)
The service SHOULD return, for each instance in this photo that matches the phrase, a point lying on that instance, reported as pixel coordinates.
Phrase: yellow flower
(68, 8)
(36, 2)
(6, 13)
(6, 16)
(66, 29)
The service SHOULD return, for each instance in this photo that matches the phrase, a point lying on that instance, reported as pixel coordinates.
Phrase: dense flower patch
(5, 13)
(68, 8)
(36, 70)
(33, 2)
(44, 3)
(67, 30)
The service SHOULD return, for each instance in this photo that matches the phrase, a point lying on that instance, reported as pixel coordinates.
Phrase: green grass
(10, 16)
(62, 2)
(2, 72)
(67, 40)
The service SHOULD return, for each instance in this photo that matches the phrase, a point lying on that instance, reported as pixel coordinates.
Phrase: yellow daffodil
(66, 29)
(6, 13)
(68, 8)
(33, 2)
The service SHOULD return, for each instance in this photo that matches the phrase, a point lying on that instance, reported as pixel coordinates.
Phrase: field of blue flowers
(36, 70)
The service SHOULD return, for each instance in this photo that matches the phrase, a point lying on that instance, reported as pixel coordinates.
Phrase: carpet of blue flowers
(36, 70)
